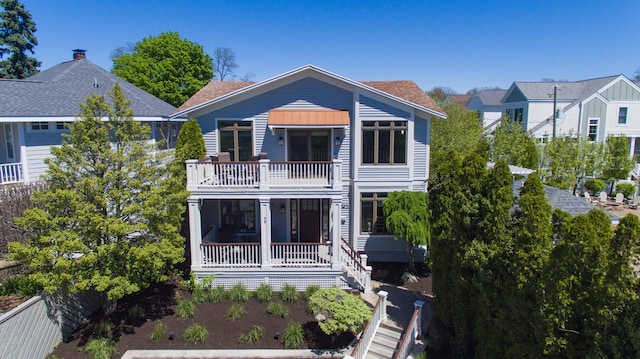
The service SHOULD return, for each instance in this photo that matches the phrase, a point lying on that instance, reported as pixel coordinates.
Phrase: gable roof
(404, 91)
(462, 100)
(490, 97)
(567, 91)
(58, 92)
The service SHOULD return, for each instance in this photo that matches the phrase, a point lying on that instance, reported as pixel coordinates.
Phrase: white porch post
(265, 232)
(632, 147)
(335, 232)
(337, 174)
(264, 173)
(195, 232)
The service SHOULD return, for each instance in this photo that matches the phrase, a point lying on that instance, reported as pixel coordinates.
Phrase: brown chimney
(79, 54)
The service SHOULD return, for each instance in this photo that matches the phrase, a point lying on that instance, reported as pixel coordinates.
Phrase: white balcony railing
(11, 173)
(224, 255)
(300, 255)
(263, 174)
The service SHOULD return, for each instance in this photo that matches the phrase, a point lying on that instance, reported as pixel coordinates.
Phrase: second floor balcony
(263, 175)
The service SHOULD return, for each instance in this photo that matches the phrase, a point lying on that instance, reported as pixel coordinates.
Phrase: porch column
(265, 232)
(335, 232)
(264, 173)
(195, 231)
(632, 147)
(337, 174)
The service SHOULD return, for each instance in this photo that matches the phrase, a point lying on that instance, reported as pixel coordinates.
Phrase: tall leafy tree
(407, 217)
(171, 68)
(16, 39)
(617, 162)
(110, 218)
(513, 144)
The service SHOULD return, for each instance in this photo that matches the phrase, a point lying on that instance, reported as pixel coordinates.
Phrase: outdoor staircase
(356, 273)
(384, 342)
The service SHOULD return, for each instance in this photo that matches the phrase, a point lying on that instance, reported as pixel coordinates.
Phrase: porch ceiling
(308, 118)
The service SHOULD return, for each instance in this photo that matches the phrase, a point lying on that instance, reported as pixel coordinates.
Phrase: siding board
(621, 91)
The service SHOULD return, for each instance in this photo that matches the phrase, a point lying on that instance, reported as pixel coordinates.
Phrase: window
(515, 114)
(8, 137)
(622, 116)
(372, 219)
(593, 129)
(239, 215)
(237, 139)
(39, 126)
(384, 142)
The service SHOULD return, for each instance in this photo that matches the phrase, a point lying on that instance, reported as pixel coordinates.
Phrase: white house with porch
(296, 172)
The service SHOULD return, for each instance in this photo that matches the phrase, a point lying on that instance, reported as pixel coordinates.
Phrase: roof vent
(79, 54)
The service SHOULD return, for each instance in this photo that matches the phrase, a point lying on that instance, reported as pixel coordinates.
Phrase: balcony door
(309, 220)
(309, 146)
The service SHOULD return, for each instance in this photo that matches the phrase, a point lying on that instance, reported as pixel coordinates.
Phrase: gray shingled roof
(58, 91)
(491, 97)
(564, 200)
(567, 91)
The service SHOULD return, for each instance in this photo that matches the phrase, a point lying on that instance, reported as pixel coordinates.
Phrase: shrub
(255, 334)
(103, 327)
(236, 312)
(186, 309)
(101, 348)
(293, 336)
(309, 291)
(341, 311)
(278, 309)
(198, 295)
(238, 293)
(289, 293)
(594, 186)
(263, 293)
(216, 294)
(159, 331)
(196, 333)
(628, 189)
(21, 285)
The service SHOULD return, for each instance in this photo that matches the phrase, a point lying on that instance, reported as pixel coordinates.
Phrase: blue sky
(458, 44)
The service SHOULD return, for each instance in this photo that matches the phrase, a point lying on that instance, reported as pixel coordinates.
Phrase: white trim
(74, 118)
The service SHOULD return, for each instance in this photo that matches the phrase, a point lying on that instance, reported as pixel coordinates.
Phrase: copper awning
(308, 118)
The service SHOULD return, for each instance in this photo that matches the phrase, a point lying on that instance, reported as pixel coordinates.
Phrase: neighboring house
(489, 106)
(592, 108)
(34, 111)
(299, 166)
(462, 100)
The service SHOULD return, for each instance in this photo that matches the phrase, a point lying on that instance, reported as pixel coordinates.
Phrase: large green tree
(617, 162)
(16, 39)
(513, 144)
(171, 68)
(111, 215)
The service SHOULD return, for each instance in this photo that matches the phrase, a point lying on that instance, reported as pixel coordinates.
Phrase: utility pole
(555, 94)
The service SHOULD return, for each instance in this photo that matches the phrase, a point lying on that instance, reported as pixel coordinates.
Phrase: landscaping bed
(136, 316)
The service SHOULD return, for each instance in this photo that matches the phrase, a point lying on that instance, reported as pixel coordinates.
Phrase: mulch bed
(159, 304)
(391, 273)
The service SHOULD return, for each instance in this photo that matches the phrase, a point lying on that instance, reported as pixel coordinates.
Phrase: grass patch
(236, 312)
(263, 293)
(216, 294)
(293, 335)
(186, 310)
(238, 293)
(278, 309)
(253, 336)
(101, 348)
(159, 331)
(309, 291)
(289, 293)
(196, 333)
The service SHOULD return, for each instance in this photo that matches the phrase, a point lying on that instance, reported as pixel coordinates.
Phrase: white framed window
(622, 116)
(40, 126)
(592, 131)
(8, 138)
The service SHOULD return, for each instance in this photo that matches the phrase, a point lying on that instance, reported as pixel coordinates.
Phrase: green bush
(289, 293)
(293, 336)
(196, 333)
(21, 285)
(216, 294)
(254, 335)
(236, 312)
(628, 189)
(309, 291)
(103, 327)
(186, 309)
(341, 311)
(159, 331)
(101, 348)
(198, 295)
(594, 186)
(263, 293)
(136, 312)
(238, 293)
(278, 309)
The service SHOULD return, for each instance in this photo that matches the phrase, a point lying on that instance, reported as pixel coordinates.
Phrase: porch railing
(225, 255)
(379, 315)
(412, 333)
(11, 173)
(300, 255)
(355, 264)
(263, 174)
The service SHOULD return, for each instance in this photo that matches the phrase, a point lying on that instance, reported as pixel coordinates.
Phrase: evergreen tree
(16, 38)
(189, 146)
(110, 218)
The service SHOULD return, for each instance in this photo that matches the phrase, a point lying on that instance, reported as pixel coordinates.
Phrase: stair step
(390, 332)
(377, 350)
